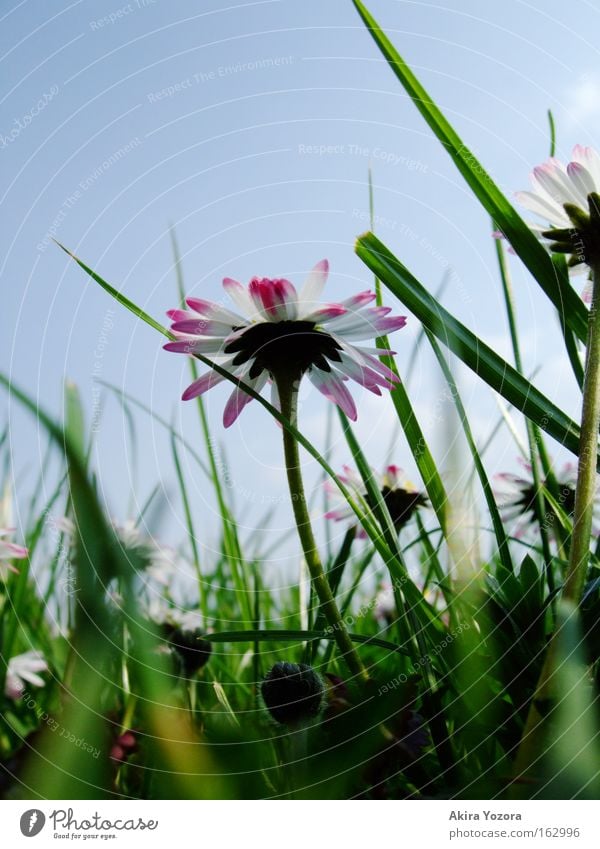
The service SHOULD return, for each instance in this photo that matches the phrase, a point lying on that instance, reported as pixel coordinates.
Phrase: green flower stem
(288, 396)
(532, 741)
(588, 454)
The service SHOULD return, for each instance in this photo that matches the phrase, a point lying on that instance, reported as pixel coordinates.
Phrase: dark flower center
(528, 504)
(192, 651)
(284, 346)
(401, 504)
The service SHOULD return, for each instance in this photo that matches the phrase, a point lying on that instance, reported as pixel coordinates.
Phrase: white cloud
(583, 100)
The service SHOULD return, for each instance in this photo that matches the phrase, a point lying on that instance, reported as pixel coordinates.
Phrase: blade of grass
(188, 447)
(534, 436)
(406, 415)
(526, 245)
(290, 636)
(190, 529)
(362, 517)
(233, 549)
(552, 128)
(334, 577)
(415, 616)
(503, 547)
(70, 773)
(478, 356)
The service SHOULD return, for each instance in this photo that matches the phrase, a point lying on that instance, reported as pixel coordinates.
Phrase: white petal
(557, 185)
(581, 177)
(275, 402)
(32, 678)
(312, 287)
(240, 296)
(547, 209)
(590, 158)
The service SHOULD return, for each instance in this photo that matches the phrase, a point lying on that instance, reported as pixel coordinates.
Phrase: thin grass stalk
(501, 539)
(534, 436)
(191, 530)
(230, 539)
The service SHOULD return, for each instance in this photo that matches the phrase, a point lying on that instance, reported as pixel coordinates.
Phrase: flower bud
(292, 692)
(127, 741)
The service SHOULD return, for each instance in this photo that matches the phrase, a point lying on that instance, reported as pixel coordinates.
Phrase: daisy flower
(24, 668)
(163, 613)
(9, 551)
(401, 497)
(280, 333)
(518, 506)
(159, 561)
(565, 197)
(183, 632)
(555, 184)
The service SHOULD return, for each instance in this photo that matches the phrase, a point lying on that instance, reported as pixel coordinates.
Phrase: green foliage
(453, 635)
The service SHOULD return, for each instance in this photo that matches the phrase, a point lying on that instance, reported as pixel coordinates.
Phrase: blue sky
(249, 128)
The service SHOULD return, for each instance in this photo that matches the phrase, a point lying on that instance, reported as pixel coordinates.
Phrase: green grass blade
(571, 342)
(534, 437)
(290, 636)
(189, 520)
(364, 520)
(69, 772)
(478, 356)
(503, 547)
(406, 414)
(161, 421)
(552, 128)
(74, 419)
(118, 296)
(231, 542)
(417, 443)
(522, 239)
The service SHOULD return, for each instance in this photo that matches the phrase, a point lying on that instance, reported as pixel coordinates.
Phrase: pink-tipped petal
(333, 388)
(240, 399)
(196, 345)
(325, 313)
(17, 552)
(202, 327)
(234, 406)
(389, 325)
(359, 300)
(276, 299)
(208, 309)
(337, 515)
(202, 385)
(180, 315)
(362, 375)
